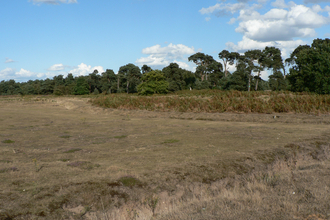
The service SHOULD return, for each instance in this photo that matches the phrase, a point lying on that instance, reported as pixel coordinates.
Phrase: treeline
(309, 71)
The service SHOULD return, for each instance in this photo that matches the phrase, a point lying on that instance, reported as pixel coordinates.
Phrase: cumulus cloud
(279, 26)
(57, 67)
(21, 75)
(163, 56)
(9, 60)
(52, 2)
(25, 73)
(84, 69)
(221, 9)
(7, 73)
(248, 44)
(315, 1)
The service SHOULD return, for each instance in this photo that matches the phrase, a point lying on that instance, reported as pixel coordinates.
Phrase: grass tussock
(72, 150)
(8, 141)
(221, 101)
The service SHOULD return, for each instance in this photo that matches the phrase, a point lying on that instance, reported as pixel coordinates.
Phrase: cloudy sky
(43, 38)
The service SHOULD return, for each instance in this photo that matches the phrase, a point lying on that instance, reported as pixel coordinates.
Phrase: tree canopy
(309, 70)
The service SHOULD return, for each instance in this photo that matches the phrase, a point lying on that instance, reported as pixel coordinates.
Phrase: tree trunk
(284, 73)
(127, 86)
(225, 64)
(118, 84)
(256, 89)
(249, 85)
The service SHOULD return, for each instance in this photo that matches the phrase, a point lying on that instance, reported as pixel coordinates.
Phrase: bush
(154, 82)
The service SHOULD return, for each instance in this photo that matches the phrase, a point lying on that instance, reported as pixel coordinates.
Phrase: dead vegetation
(69, 160)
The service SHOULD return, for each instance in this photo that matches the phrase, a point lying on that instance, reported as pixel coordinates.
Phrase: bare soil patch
(67, 159)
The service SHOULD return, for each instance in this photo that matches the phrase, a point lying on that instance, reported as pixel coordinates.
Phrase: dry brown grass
(76, 161)
(221, 101)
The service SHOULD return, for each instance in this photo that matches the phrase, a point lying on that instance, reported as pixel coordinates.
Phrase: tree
(239, 79)
(277, 81)
(254, 59)
(310, 69)
(202, 61)
(146, 69)
(129, 75)
(175, 77)
(215, 74)
(228, 58)
(154, 82)
(108, 81)
(93, 81)
(82, 86)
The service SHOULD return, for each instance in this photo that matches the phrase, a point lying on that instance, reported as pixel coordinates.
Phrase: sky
(41, 39)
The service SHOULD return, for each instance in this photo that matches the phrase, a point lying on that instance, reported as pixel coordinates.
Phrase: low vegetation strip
(221, 101)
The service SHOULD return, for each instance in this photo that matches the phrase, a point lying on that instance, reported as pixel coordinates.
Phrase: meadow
(197, 155)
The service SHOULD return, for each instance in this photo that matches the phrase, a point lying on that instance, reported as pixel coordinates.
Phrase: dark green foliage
(154, 82)
(10, 87)
(277, 82)
(130, 181)
(310, 69)
(81, 87)
(108, 81)
(175, 77)
(146, 69)
(129, 78)
(8, 141)
(72, 150)
(310, 72)
(228, 58)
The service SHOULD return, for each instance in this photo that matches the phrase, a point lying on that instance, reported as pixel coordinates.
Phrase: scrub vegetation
(69, 159)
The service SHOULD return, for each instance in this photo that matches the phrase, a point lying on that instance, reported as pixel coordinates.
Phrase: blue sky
(43, 38)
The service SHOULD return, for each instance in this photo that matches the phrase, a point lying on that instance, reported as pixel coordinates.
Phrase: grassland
(62, 158)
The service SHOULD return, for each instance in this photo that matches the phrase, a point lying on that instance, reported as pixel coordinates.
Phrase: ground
(61, 157)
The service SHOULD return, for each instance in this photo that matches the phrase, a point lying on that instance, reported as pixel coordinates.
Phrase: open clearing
(61, 158)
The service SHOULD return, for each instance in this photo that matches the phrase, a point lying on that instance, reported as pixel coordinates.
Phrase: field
(64, 158)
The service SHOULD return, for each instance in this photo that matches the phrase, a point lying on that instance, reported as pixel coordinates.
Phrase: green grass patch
(64, 160)
(72, 150)
(130, 181)
(6, 161)
(8, 141)
(65, 136)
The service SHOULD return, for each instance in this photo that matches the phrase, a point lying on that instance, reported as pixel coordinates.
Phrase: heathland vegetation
(61, 158)
(309, 71)
(170, 143)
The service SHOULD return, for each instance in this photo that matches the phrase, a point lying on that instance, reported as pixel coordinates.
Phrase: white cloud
(246, 43)
(315, 1)
(57, 67)
(232, 21)
(84, 69)
(52, 2)
(281, 24)
(9, 60)
(222, 9)
(207, 19)
(25, 73)
(187, 66)
(6, 73)
(279, 4)
(162, 56)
